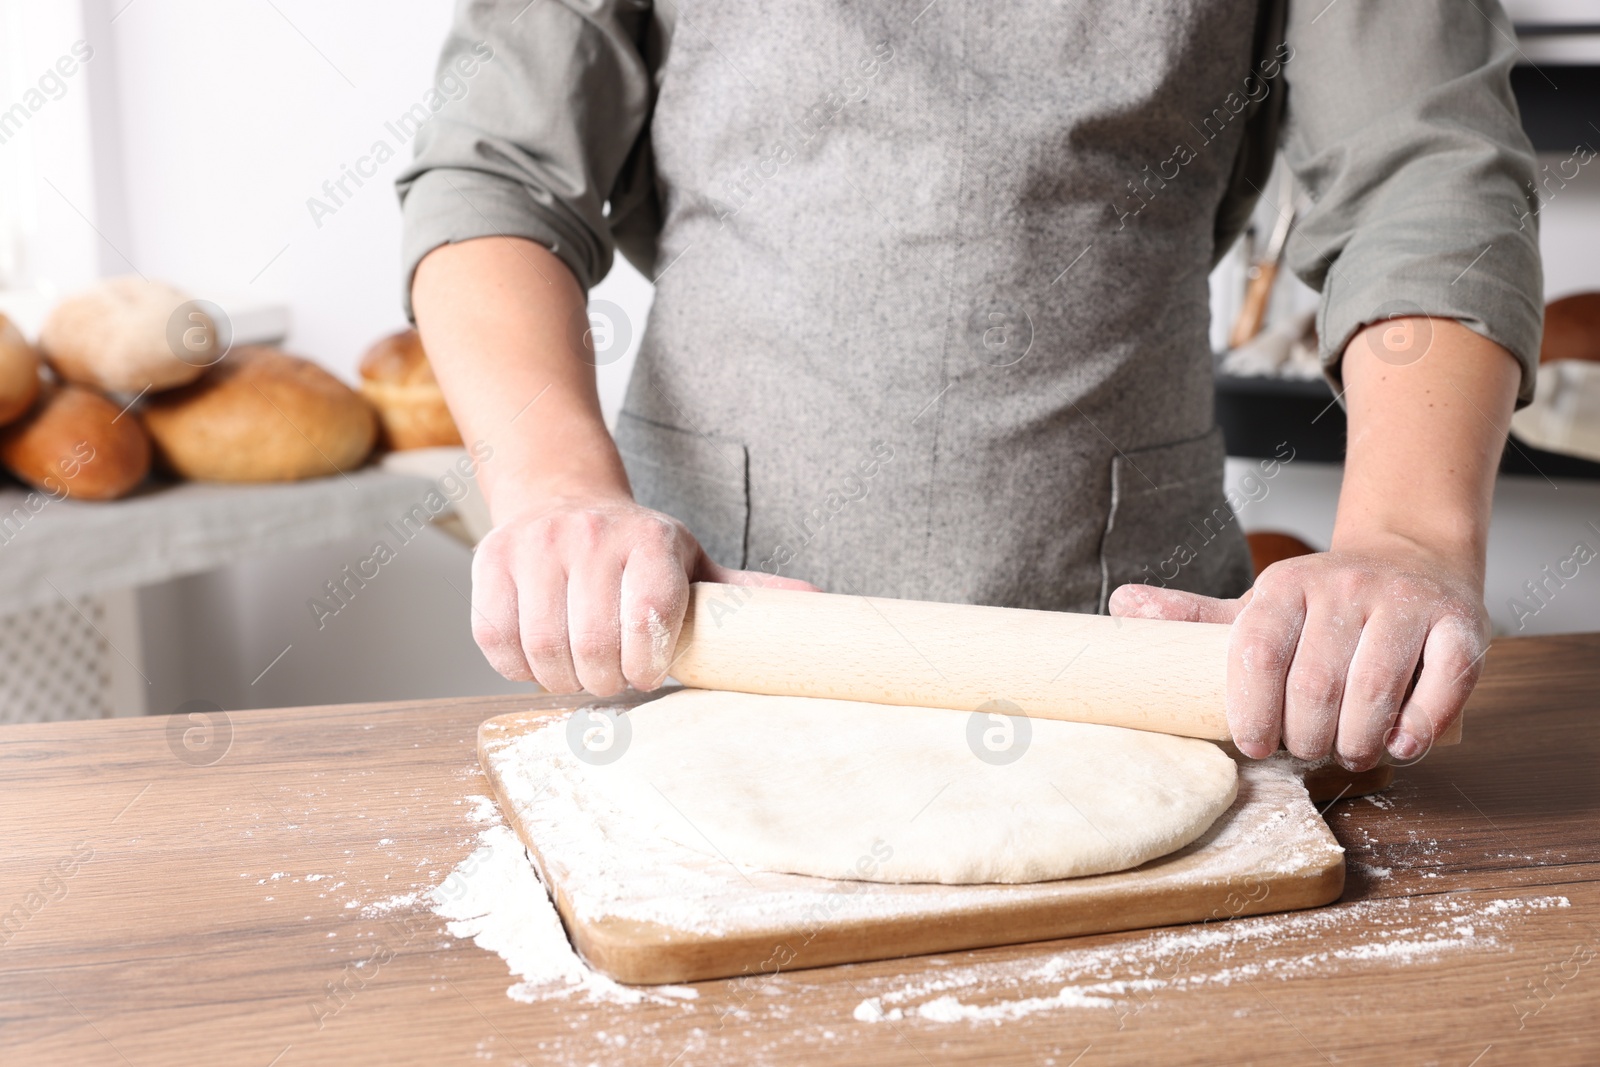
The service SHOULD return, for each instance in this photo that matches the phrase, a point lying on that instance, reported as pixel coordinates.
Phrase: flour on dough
(873, 792)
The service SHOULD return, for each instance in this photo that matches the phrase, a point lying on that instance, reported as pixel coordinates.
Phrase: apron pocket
(1170, 524)
(700, 481)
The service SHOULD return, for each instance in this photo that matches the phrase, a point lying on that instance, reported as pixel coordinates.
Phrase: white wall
(220, 118)
(47, 187)
(233, 113)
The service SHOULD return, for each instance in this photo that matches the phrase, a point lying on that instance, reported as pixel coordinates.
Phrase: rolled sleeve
(1402, 127)
(545, 139)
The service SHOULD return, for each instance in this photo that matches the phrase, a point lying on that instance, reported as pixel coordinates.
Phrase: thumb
(711, 571)
(1152, 602)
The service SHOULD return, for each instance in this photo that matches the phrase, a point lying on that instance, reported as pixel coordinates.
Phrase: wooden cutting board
(648, 911)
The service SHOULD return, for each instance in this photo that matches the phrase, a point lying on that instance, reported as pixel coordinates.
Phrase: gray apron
(931, 318)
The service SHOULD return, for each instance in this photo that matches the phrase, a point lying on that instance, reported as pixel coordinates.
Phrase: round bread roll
(1571, 328)
(19, 373)
(261, 416)
(77, 443)
(117, 336)
(396, 377)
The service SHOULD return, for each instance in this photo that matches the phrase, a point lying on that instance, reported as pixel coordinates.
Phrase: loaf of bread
(126, 335)
(396, 378)
(1571, 328)
(19, 373)
(261, 415)
(76, 443)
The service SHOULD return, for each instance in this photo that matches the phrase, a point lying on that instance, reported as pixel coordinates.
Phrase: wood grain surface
(1269, 852)
(178, 911)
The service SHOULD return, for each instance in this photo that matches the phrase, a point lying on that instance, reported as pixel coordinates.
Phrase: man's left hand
(1340, 653)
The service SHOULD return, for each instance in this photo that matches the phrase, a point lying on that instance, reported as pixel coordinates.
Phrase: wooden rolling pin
(1145, 674)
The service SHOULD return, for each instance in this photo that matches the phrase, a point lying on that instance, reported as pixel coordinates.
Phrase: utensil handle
(1253, 313)
(1146, 674)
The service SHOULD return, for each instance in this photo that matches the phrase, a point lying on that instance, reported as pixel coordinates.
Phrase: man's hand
(1325, 649)
(590, 594)
(576, 585)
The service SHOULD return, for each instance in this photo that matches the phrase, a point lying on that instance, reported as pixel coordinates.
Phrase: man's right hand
(590, 594)
(576, 586)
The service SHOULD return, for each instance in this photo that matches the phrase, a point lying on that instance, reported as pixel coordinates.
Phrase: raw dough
(873, 792)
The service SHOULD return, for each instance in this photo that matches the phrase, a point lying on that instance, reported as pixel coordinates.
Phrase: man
(931, 321)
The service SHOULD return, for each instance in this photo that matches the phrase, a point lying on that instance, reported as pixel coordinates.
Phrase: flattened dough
(839, 789)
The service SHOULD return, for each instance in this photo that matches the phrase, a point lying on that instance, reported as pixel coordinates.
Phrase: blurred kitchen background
(188, 145)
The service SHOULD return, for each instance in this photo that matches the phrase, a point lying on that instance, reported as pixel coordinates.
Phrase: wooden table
(200, 910)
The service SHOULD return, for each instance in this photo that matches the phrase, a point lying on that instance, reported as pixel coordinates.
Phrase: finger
(1153, 602)
(494, 615)
(1452, 659)
(1380, 674)
(711, 571)
(655, 596)
(1260, 650)
(1315, 687)
(542, 624)
(594, 622)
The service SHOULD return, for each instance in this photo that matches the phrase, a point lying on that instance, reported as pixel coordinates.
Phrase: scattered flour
(484, 809)
(1399, 930)
(494, 898)
(389, 905)
(660, 641)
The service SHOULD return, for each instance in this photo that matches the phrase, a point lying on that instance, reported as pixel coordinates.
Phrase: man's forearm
(1429, 404)
(503, 320)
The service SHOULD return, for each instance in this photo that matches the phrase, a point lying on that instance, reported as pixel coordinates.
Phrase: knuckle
(1251, 721)
(1259, 653)
(490, 555)
(1399, 588)
(589, 529)
(1461, 657)
(652, 613)
(647, 622)
(594, 648)
(658, 533)
(1460, 670)
(488, 636)
(545, 534)
(504, 658)
(1376, 687)
(1350, 584)
(544, 648)
(1276, 580)
(1314, 688)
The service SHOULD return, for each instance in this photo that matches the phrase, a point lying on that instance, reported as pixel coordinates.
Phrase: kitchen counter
(254, 893)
